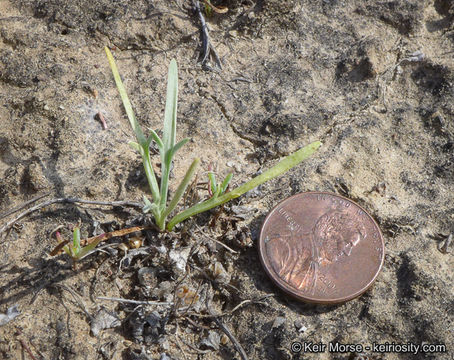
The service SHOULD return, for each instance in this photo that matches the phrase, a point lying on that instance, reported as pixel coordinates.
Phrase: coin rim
(282, 285)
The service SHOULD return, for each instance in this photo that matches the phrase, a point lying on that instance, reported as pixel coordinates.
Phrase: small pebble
(163, 343)
(280, 320)
(299, 326)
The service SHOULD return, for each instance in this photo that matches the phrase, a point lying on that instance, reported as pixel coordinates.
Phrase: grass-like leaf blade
(278, 169)
(226, 182)
(124, 97)
(182, 187)
(179, 145)
(169, 133)
(213, 184)
(156, 138)
(170, 115)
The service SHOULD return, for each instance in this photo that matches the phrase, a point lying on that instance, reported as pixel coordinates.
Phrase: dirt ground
(373, 80)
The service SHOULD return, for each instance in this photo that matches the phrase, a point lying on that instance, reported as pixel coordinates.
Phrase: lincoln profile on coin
(298, 255)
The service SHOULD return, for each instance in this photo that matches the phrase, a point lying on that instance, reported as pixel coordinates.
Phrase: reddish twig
(104, 237)
(102, 119)
(25, 346)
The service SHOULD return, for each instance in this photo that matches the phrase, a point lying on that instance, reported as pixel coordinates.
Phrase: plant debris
(104, 320)
(10, 315)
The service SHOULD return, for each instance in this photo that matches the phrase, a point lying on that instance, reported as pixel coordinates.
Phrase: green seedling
(167, 148)
(208, 10)
(74, 249)
(216, 189)
(78, 249)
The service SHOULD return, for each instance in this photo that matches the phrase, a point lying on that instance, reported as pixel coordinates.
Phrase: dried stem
(9, 224)
(229, 334)
(20, 207)
(27, 349)
(135, 301)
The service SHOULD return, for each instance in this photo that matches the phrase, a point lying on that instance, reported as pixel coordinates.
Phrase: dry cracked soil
(373, 80)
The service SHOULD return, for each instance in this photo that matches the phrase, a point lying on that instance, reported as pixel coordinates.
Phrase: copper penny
(321, 247)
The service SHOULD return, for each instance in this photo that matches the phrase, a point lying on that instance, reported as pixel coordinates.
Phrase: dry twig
(216, 241)
(137, 302)
(20, 207)
(104, 237)
(177, 338)
(236, 308)
(76, 297)
(39, 206)
(207, 47)
(229, 334)
(444, 247)
(25, 346)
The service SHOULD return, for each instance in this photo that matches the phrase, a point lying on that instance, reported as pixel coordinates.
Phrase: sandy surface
(372, 80)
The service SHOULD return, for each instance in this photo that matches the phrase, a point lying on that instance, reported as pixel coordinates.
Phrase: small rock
(212, 341)
(299, 326)
(104, 320)
(280, 320)
(179, 258)
(219, 274)
(162, 249)
(243, 212)
(163, 343)
(164, 291)
(10, 315)
(34, 178)
(147, 277)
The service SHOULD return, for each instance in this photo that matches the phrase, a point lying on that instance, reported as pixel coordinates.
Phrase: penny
(321, 247)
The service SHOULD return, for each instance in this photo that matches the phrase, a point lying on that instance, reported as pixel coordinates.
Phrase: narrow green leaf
(124, 97)
(179, 145)
(154, 136)
(148, 205)
(283, 166)
(225, 183)
(142, 141)
(135, 146)
(170, 115)
(169, 133)
(213, 184)
(154, 187)
(278, 169)
(86, 250)
(67, 250)
(182, 187)
(76, 239)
